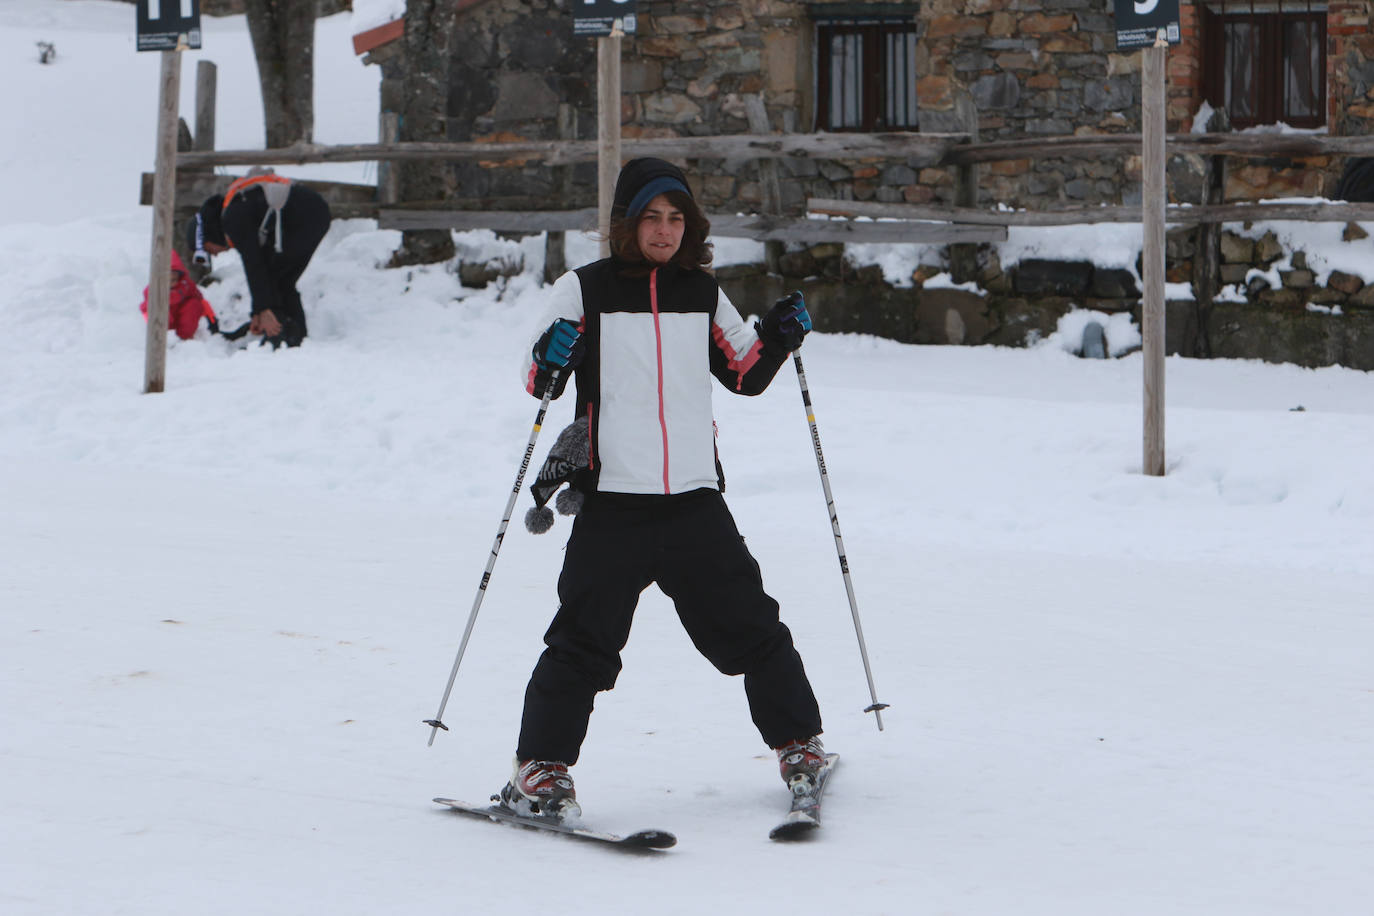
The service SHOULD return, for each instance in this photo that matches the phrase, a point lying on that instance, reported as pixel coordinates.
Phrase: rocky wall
(1292, 320)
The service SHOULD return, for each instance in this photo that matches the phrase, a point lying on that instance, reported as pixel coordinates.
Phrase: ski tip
(794, 829)
(650, 839)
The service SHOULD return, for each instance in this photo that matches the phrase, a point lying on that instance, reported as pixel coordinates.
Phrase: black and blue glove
(786, 323)
(559, 347)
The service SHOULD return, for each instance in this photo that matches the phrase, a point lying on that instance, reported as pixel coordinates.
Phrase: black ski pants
(688, 544)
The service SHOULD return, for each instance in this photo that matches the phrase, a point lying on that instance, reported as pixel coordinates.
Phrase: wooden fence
(850, 220)
(925, 150)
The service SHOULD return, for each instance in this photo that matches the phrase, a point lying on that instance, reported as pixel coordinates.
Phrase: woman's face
(660, 229)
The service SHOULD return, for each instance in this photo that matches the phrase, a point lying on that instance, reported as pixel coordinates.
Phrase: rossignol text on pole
(876, 707)
(437, 722)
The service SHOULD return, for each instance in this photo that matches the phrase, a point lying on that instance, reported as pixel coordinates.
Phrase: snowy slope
(227, 608)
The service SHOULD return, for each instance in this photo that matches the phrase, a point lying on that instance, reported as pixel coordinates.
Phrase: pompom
(539, 519)
(569, 502)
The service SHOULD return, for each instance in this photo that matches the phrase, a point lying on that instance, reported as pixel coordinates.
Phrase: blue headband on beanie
(655, 187)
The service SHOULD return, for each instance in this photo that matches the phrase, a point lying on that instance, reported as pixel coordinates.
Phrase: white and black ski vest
(652, 342)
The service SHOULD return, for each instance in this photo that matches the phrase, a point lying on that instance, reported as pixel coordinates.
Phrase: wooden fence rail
(1175, 214)
(925, 150)
(957, 225)
(759, 227)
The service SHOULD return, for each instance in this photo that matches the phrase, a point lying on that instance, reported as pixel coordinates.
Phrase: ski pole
(876, 707)
(437, 722)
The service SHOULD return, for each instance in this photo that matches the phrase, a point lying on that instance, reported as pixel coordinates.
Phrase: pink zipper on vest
(658, 348)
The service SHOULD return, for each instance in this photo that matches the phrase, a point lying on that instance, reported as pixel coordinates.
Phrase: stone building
(1009, 70)
(508, 69)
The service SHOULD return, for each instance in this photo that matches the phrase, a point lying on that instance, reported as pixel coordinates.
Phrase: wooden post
(1207, 261)
(388, 172)
(164, 194)
(1153, 192)
(607, 127)
(963, 258)
(768, 179)
(555, 248)
(205, 105)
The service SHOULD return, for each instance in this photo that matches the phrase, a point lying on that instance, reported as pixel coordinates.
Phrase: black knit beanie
(640, 181)
(566, 463)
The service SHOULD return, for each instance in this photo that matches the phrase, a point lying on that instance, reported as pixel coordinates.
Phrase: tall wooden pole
(1153, 193)
(164, 194)
(206, 80)
(607, 127)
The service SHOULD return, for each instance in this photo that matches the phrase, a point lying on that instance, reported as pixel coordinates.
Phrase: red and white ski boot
(541, 788)
(800, 762)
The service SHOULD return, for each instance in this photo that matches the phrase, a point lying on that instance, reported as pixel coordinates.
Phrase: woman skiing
(643, 331)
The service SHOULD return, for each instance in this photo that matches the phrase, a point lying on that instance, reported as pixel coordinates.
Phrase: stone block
(898, 175)
(1044, 24)
(1349, 284)
(1236, 249)
(1040, 276)
(639, 75)
(1053, 126)
(1267, 249)
(955, 26)
(934, 93)
(1233, 274)
(677, 25)
(1003, 25)
(951, 316)
(780, 55)
(1364, 299)
(1124, 64)
(1079, 189)
(1017, 60)
(996, 91)
(1066, 44)
(972, 61)
(1325, 295)
(523, 97)
(671, 108)
(918, 194)
(1297, 279)
(798, 264)
(1113, 94)
(1114, 283)
(1291, 299)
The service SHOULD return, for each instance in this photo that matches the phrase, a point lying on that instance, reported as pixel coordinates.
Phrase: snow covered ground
(225, 609)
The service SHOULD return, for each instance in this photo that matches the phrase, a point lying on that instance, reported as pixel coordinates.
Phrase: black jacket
(304, 221)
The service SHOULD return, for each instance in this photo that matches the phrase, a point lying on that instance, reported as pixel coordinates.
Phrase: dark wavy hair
(693, 254)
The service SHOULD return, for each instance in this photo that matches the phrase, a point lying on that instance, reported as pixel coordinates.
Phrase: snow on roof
(369, 14)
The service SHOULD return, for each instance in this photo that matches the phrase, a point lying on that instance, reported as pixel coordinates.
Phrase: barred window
(866, 74)
(1265, 63)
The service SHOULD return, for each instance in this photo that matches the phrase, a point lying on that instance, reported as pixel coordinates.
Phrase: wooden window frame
(1270, 56)
(872, 36)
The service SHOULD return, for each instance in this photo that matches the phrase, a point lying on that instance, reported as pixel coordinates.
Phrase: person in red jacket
(186, 306)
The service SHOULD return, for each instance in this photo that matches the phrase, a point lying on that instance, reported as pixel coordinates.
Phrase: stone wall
(1350, 62)
(1290, 319)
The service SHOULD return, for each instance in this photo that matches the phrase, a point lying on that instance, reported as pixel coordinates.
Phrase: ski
(805, 816)
(498, 813)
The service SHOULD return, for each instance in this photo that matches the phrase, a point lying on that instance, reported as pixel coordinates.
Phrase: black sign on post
(1138, 21)
(597, 17)
(166, 25)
